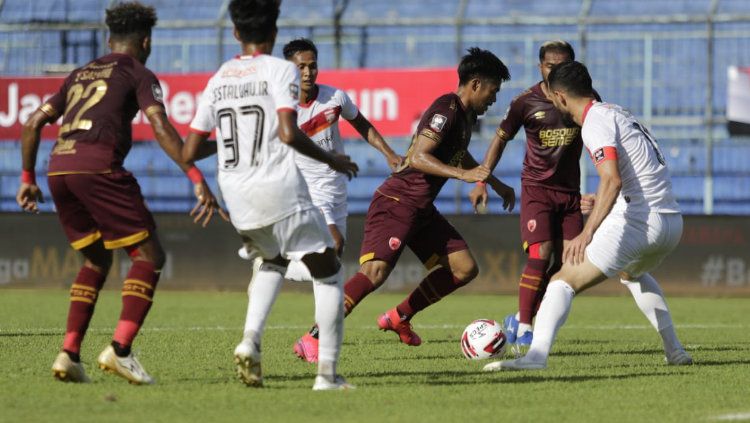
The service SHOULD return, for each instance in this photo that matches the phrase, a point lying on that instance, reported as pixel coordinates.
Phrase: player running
(550, 187)
(98, 202)
(252, 101)
(635, 222)
(402, 212)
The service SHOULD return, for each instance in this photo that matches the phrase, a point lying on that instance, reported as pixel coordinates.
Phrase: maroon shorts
(108, 206)
(548, 215)
(391, 225)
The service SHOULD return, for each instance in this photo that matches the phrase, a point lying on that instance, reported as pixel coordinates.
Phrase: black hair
(572, 77)
(556, 46)
(481, 64)
(299, 45)
(254, 20)
(131, 19)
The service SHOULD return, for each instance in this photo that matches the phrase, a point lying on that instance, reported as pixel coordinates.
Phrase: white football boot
(679, 357)
(324, 383)
(66, 370)
(247, 360)
(522, 363)
(127, 367)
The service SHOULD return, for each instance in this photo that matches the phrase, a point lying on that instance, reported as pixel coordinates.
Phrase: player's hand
(342, 163)
(394, 162)
(574, 251)
(28, 197)
(206, 206)
(478, 197)
(507, 193)
(587, 203)
(477, 174)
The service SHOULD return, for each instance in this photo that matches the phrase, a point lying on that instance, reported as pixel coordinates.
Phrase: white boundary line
(731, 417)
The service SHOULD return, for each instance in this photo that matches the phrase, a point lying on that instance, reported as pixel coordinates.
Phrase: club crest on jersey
(294, 91)
(531, 225)
(437, 122)
(157, 92)
(394, 243)
(598, 156)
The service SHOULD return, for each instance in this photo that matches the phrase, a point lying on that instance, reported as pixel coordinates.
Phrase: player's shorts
(293, 237)
(334, 214)
(548, 214)
(109, 206)
(391, 225)
(635, 244)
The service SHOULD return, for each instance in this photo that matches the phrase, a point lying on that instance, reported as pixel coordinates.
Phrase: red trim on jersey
(321, 121)
(586, 111)
(285, 109)
(309, 101)
(199, 132)
(603, 154)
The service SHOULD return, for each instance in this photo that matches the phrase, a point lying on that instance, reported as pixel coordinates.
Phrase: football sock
(650, 299)
(523, 328)
(329, 313)
(529, 286)
(83, 295)
(262, 293)
(433, 287)
(356, 289)
(121, 350)
(137, 297)
(556, 265)
(552, 315)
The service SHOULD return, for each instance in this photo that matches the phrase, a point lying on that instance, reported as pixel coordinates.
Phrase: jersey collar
(249, 56)
(586, 111)
(310, 100)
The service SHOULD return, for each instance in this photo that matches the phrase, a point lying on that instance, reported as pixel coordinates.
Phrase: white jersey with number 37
(258, 177)
(646, 185)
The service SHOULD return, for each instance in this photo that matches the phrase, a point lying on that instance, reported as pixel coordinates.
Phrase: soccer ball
(482, 339)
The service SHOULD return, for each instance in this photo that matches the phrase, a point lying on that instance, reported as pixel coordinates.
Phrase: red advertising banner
(391, 98)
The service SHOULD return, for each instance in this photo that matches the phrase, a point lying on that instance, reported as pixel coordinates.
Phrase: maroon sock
(137, 297)
(433, 287)
(356, 289)
(83, 295)
(531, 280)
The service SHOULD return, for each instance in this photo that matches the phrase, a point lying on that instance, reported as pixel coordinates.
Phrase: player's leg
(335, 218)
(80, 228)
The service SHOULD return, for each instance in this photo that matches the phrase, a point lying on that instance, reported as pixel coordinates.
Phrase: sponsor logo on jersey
(394, 243)
(157, 92)
(438, 122)
(294, 91)
(531, 225)
(598, 156)
(540, 115)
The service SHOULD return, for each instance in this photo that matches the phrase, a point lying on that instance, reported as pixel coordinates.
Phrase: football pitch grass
(606, 366)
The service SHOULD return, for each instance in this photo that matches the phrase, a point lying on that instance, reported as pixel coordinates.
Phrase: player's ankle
(74, 357)
(121, 350)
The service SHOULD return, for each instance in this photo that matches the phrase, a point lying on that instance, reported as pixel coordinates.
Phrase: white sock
(329, 315)
(650, 299)
(551, 316)
(523, 328)
(297, 271)
(262, 293)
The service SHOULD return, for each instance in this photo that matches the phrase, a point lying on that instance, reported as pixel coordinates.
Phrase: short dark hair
(481, 64)
(299, 45)
(131, 19)
(556, 46)
(572, 77)
(254, 20)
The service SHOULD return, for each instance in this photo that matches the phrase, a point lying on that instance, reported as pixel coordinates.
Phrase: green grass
(606, 365)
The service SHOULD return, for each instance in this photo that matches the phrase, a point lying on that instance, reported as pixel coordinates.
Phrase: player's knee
(376, 270)
(541, 250)
(100, 264)
(466, 273)
(149, 251)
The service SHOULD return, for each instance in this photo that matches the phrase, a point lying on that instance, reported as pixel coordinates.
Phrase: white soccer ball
(483, 339)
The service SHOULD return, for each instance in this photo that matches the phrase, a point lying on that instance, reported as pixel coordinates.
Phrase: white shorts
(334, 214)
(634, 243)
(293, 237)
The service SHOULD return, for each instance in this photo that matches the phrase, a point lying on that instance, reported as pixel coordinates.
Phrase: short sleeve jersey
(319, 120)
(257, 174)
(552, 148)
(646, 185)
(98, 103)
(445, 123)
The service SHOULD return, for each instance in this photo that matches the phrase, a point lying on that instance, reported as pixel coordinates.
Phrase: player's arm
(421, 158)
(606, 195)
(504, 191)
(291, 135)
(373, 137)
(29, 194)
(205, 148)
(171, 142)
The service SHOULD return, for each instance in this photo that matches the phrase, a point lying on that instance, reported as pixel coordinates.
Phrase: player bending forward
(402, 212)
(252, 102)
(98, 202)
(635, 222)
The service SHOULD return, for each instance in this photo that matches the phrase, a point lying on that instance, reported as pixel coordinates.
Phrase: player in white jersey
(252, 101)
(634, 224)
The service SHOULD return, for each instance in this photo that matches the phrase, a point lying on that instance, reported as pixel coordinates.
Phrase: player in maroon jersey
(98, 202)
(550, 186)
(402, 212)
